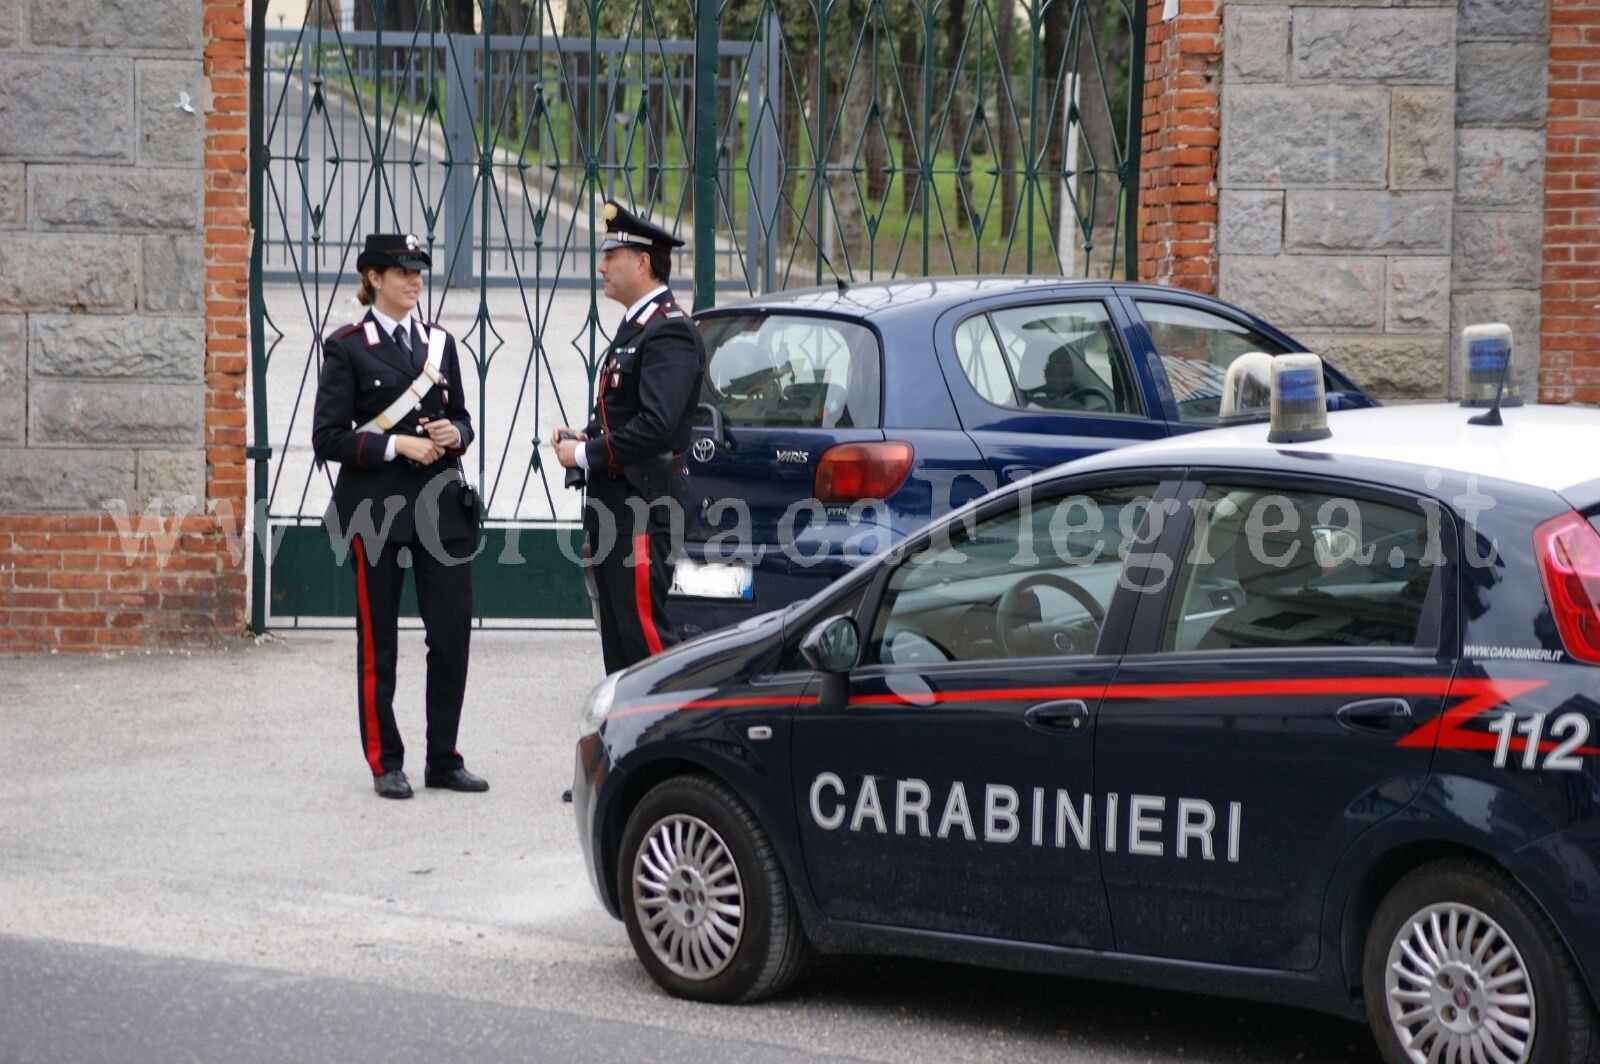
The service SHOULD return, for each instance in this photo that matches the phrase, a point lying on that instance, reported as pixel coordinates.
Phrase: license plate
(692, 579)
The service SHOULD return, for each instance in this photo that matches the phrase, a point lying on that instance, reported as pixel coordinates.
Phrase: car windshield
(792, 371)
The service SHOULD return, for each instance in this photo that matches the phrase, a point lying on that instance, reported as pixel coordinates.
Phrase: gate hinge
(258, 453)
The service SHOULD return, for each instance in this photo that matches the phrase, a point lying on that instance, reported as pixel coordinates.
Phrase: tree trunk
(1005, 112)
(1102, 119)
(956, 120)
(1053, 62)
(909, 124)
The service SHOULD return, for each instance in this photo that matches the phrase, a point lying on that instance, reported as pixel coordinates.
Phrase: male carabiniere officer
(633, 449)
(390, 410)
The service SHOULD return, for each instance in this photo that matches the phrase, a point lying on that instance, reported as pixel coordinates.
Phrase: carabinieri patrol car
(1308, 722)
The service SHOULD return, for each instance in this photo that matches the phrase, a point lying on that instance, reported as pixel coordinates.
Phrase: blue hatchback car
(837, 420)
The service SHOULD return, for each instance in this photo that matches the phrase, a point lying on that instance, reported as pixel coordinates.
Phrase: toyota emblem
(705, 449)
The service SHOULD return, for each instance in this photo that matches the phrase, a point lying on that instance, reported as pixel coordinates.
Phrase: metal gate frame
(772, 110)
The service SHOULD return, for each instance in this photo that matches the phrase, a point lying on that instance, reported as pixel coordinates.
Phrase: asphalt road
(193, 867)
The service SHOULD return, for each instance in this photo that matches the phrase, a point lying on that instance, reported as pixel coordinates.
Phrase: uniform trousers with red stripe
(628, 573)
(444, 599)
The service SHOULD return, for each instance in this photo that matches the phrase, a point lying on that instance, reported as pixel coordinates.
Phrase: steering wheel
(1028, 638)
(1091, 398)
(1088, 398)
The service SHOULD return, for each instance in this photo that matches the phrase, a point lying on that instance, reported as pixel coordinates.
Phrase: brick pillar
(227, 234)
(1570, 333)
(1179, 145)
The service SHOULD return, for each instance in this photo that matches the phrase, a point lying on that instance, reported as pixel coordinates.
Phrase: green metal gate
(787, 142)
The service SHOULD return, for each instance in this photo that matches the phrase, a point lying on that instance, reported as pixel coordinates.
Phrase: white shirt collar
(388, 324)
(633, 311)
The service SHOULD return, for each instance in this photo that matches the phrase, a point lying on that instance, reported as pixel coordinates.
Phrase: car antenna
(821, 255)
(1487, 353)
(844, 286)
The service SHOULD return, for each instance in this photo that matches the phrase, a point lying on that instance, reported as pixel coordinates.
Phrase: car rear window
(792, 371)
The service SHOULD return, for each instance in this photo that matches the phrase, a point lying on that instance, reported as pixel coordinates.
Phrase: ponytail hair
(365, 294)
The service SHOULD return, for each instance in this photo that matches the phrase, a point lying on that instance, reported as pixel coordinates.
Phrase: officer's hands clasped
(423, 450)
(566, 442)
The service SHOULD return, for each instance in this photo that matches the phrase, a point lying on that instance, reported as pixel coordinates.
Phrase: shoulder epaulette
(340, 334)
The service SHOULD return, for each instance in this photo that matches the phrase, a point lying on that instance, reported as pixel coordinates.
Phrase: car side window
(1032, 582)
(1270, 569)
(1195, 348)
(978, 352)
(1056, 356)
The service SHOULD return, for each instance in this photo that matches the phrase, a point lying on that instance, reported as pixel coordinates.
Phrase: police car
(1311, 721)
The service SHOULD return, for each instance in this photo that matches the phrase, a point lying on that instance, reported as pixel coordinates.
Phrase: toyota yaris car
(836, 422)
(1311, 723)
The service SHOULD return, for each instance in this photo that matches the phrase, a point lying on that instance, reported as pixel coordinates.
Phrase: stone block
(1500, 168)
(169, 135)
(1422, 142)
(1367, 221)
(66, 272)
(1502, 249)
(1255, 44)
(83, 345)
(164, 477)
(1419, 295)
(38, 479)
(145, 25)
(1503, 19)
(173, 274)
(1396, 47)
(1307, 291)
(13, 379)
(1518, 308)
(1390, 367)
(13, 195)
(131, 414)
(1310, 136)
(66, 107)
(10, 25)
(1250, 223)
(104, 197)
(1500, 84)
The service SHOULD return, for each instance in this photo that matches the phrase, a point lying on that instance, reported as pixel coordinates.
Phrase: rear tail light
(850, 472)
(1569, 561)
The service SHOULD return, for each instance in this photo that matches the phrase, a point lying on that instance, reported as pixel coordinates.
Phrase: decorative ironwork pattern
(788, 143)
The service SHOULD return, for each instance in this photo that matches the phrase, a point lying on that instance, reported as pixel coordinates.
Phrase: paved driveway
(206, 820)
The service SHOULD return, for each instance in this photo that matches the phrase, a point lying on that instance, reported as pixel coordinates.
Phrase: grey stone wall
(1382, 178)
(102, 333)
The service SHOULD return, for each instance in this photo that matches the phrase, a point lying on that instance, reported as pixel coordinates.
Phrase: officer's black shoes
(392, 784)
(454, 779)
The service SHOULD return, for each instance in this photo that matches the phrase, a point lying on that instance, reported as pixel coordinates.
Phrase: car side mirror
(833, 646)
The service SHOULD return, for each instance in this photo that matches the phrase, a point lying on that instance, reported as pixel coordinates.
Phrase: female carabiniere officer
(390, 411)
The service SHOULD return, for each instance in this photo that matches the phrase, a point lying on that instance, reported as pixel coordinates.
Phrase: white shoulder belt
(411, 398)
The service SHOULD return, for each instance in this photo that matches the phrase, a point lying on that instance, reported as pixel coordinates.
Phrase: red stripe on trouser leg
(369, 665)
(641, 592)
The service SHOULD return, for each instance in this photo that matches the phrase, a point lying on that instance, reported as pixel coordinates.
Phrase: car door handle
(1380, 715)
(1069, 714)
(1017, 472)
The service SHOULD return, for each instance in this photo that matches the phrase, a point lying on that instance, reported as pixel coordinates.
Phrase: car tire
(704, 896)
(1500, 972)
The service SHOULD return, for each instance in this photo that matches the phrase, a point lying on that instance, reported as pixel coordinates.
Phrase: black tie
(402, 339)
